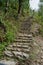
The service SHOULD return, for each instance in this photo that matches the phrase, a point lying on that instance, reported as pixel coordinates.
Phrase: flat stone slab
(5, 62)
(8, 53)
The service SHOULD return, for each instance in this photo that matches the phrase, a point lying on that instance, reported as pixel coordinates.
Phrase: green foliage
(10, 34)
(25, 7)
(39, 20)
(8, 13)
(40, 15)
(41, 0)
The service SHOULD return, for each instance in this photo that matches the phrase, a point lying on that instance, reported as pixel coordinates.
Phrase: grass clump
(10, 34)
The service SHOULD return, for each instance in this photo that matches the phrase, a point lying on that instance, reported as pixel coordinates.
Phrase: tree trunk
(19, 8)
(6, 6)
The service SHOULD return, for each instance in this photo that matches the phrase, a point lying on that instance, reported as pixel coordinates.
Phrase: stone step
(25, 28)
(42, 48)
(25, 35)
(20, 54)
(24, 38)
(8, 53)
(23, 41)
(21, 44)
(41, 57)
(26, 32)
(7, 62)
(25, 47)
(25, 24)
(41, 60)
(19, 49)
(24, 44)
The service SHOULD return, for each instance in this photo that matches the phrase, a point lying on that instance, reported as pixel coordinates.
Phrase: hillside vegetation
(12, 13)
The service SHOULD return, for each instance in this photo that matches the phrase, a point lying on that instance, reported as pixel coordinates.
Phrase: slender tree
(6, 5)
(23, 4)
(20, 5)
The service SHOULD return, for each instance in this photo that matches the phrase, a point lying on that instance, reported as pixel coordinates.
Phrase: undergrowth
(12, 28)
(12, 25)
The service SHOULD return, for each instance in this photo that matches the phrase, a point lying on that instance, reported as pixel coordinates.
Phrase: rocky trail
(26, 49)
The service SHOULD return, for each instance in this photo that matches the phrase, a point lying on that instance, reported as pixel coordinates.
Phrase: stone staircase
(21, 46)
